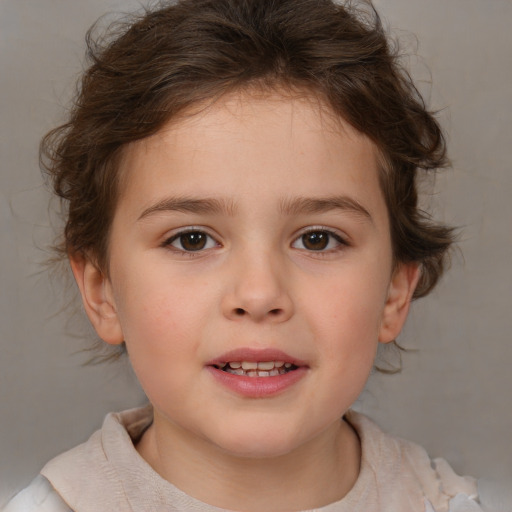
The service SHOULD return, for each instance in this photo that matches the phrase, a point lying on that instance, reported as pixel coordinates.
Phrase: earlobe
(97, 297)
(401, 289)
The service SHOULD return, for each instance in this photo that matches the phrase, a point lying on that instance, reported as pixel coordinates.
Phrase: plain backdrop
(454, 395)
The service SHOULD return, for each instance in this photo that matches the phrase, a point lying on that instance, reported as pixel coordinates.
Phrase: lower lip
(258, 387)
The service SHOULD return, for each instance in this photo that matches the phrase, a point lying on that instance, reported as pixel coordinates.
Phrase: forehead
(249, 142)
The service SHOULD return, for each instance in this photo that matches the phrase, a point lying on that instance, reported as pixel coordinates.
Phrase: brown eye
(191, 241)
(315, 241)
(319, 240)
(194, 241)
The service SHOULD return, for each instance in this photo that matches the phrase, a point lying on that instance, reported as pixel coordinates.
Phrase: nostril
(272, 313)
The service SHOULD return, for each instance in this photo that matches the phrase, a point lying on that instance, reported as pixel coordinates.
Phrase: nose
(258, 290)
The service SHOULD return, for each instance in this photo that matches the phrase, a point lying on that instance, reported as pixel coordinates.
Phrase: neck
(313, 475)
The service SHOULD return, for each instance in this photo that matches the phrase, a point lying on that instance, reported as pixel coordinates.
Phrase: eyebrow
(190, 205)
(295, 206)
(304, 205)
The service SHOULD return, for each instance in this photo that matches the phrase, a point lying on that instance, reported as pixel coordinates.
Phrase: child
(239, 181)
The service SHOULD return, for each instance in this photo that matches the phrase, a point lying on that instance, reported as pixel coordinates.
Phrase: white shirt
(107, 474)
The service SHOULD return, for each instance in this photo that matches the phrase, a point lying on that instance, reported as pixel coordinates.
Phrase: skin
(256, 283)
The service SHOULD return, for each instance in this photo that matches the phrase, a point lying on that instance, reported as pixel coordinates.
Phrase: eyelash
(322, 231)
(168, 243)
(331, 235)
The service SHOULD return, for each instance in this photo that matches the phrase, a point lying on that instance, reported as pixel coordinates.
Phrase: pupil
(194, 241)
(316, 241)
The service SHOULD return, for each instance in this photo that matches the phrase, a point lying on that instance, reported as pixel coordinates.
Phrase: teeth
(257, 369)
(249, 365)
(262, 365)
(266, 365)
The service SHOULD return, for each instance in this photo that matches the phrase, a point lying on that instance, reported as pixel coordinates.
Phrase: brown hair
(145, 72)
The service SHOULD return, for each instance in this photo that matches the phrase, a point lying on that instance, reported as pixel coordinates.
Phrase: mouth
(257, 373)
(257, 368)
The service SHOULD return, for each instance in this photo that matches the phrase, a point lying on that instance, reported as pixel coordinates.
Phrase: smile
(257, 369)
(257, 373)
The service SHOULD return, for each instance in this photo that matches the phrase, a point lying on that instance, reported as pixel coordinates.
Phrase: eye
(318, 240)
(191, 241)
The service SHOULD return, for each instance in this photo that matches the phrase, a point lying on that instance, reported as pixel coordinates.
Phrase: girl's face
(253, 234)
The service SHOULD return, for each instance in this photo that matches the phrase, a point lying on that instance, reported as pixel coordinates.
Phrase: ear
(97, 297)
(402, 286)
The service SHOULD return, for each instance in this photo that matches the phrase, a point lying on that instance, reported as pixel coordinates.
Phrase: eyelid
(176, 233)
(338, 235)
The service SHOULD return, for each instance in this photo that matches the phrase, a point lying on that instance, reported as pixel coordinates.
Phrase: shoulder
(405, 473)
(39, 496)
(92, 476)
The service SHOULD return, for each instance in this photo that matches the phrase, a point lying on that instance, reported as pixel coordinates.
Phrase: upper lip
(255, 355)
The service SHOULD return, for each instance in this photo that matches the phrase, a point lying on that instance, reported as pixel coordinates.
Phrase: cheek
(348, 305)
(161, 318)
(160, 298)
(162, 339)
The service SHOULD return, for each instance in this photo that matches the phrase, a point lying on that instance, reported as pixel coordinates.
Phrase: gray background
(454, 393)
